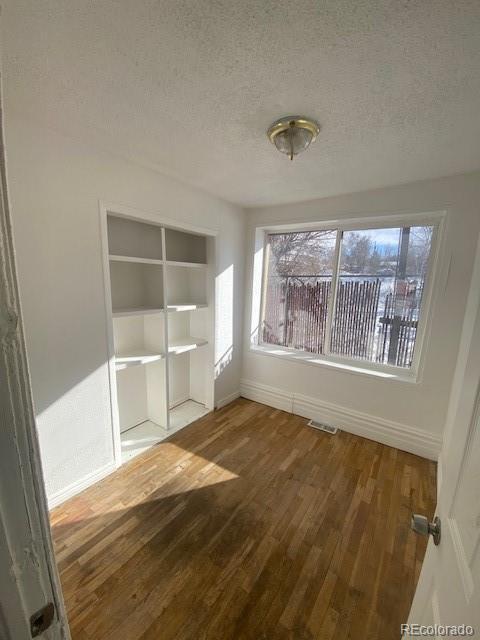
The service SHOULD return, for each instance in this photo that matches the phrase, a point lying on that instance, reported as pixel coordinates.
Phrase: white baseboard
(76, 487)
(387, 432)
(228, 399)
(267, 395)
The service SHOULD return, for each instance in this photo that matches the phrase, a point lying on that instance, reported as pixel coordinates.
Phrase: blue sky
(383, 238)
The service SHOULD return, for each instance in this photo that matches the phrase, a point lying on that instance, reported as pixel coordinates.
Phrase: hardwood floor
(246, 525)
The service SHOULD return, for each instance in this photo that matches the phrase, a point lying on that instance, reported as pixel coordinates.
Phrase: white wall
(55, 186)
(404, 414)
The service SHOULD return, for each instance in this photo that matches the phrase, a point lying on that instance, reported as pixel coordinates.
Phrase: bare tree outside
(360, 254)
(302, 253)
(419, 250)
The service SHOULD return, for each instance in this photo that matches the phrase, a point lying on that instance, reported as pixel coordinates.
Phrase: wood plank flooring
(246, 525)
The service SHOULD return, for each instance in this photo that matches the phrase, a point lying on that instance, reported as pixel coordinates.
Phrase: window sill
(348, 366)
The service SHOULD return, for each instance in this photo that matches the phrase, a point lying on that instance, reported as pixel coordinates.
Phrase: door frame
(30, 577)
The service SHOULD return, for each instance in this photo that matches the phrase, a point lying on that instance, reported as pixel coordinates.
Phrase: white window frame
(334, 361)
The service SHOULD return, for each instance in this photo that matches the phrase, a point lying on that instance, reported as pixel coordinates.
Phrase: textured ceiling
(189, 87)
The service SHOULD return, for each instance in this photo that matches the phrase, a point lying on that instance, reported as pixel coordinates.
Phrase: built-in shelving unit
(162, 327)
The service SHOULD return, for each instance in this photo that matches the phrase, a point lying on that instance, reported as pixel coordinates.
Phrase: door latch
(42, 619)
(422, 526)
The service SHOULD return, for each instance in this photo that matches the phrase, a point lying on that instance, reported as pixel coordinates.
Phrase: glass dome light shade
(293, 141)
(293, 134)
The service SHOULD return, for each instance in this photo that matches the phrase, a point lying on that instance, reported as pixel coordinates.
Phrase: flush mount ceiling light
(293, 134)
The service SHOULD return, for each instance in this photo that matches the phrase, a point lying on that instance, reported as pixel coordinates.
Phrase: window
(347, 293)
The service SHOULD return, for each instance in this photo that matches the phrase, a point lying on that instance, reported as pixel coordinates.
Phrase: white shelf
(190, 265)
(186, 306)
(184, 345)
(138, 439)
(137, 311)
(186, 413)
(136, 358)
(117, 258)
(170, 263)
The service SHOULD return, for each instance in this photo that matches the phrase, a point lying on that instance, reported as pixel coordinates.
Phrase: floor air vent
(322, 427)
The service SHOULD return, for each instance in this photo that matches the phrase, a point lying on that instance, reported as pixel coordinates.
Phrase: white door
(448, 591)
(28, 575)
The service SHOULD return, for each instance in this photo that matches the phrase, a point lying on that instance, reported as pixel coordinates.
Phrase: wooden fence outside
(296, 317)
(353, 328)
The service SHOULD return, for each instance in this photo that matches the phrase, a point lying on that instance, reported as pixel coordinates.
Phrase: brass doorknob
(423, 527)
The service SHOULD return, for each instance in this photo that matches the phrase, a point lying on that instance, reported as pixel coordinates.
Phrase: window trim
(346, 363)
